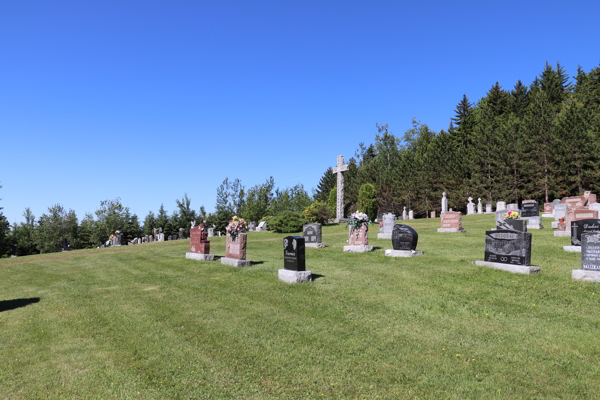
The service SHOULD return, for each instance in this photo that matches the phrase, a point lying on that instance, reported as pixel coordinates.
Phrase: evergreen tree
(4, 231)
(186, 214)
(112, 216)
(149, 223)
(54, 227)
(162, 218)
(520, 95)
(327, 182)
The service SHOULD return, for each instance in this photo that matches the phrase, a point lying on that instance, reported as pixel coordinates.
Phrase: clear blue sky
(148, 100)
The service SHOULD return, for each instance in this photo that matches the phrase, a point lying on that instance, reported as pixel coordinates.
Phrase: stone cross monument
(340, 167)
(444, 202)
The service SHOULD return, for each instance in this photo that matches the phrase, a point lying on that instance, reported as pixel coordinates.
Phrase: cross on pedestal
(339, 169)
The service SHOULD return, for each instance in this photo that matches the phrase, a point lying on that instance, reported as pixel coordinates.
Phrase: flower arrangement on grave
(512, 215)
(236, 225)
(357, 219)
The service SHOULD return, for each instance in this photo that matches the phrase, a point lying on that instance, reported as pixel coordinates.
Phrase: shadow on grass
(6, 305)
(377, 248)
(257, 262)
(314, 277)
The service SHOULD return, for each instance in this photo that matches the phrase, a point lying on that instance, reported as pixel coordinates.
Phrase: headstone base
(360, 248)
(572, 249)
(235, 262)
(315, 245)
(548, 215)
(384, 235)
(403, 253)
(562, 233)
(200, 257)
(451, 230)
(585, 275)
(515, 269)
(540, 226)
(554, 224)
(294, 276)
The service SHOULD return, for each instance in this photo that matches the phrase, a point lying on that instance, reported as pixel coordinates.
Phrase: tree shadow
(6, 305)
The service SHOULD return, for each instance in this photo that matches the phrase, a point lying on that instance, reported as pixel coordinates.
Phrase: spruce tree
(327, 182)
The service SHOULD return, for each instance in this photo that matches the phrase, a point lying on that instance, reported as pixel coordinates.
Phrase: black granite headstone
(512, 224)
(590, 251)
(65, 244)
(404, 237)
(508, 247)
(583, 226)
(529, 209)
(293, 253)
(312, 233)
(123, 239)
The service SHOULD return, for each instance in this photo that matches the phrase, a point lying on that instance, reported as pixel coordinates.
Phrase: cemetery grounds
(143, 322)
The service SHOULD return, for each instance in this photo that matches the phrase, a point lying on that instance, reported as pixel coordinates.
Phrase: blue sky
(148, 100)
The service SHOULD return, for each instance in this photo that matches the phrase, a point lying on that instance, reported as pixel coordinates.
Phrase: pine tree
(162, 218)
(4, 231)
(327, 182)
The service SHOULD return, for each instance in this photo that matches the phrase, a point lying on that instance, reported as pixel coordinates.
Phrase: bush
(267, 219)
(317, 212)
(332, 201)
(287, 221)
(367, 200)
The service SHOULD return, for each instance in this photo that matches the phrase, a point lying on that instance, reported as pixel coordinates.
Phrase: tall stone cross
(340, 167)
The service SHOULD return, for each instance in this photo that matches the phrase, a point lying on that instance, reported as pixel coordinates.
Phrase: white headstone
(488, 208)
(340, 167)
(501, 205)
(470, 207)
(404, 215)
(410, 214)
(444, 202)
(479, 206)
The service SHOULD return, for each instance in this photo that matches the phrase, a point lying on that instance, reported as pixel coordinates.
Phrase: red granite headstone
(235, 246)
(528, 201)
(359, 235)
(547, 208)
(579, 213)
(450, 220)
(433, 214)
(197, 242)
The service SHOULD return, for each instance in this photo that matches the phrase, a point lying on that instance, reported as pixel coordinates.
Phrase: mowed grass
(143, 322)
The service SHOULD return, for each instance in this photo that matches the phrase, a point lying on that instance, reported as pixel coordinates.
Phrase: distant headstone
(404, 237)
(444, 203)
(512, 224)
(479, 206)
(547, 208)
(529, 209)
(512, 207)
(560, 211)
(433, 214)
(595, 207)
(181, 233)
(198, 245)
(555, 202)
(404, 242)
(450, 222)
(488, 208)
(358, 239)
(65, 245)
(583, 226)
(294, 263)
(404, 214)
(534, 222)
(251, 226)
(500, 205)
(211, 232)
(470, 206)
(411, 215)
(235, 250)
(389, 220)
(262, 226)
(313, 235)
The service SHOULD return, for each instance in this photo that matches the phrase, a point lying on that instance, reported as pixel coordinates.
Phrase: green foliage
(327, 182)
(111, 216)
(367, 200)
(149, 223)
(332, 201)
(186, 214)
(257, 200)
(55, 226)
(4, 230)
(290, 199)
(287, 222)
(318, 211)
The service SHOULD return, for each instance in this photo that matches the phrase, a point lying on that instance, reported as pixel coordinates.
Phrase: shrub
(367, 200)
(332, 201)
(287, 221)
(267, 219)
(317, 212)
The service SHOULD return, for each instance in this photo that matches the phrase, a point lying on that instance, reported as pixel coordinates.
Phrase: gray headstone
(312, 233)
(470, 207)
(404, 237)
(411, 215)
(211, 232)
(389, 220)
(500, 205)
(479, 206)
(513, 207)
(508, 247)
(590, 251)
(251, 226)
(444, 202)
(512, 225)
(488, 208)
(555, 202)
(560, 211)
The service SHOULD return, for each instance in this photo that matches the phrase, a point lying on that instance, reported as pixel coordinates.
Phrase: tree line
(536, 142)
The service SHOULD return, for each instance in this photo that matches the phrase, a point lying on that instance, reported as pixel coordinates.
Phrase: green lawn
(144, 322)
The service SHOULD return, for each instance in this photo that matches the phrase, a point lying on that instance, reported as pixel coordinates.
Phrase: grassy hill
(143, 322)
